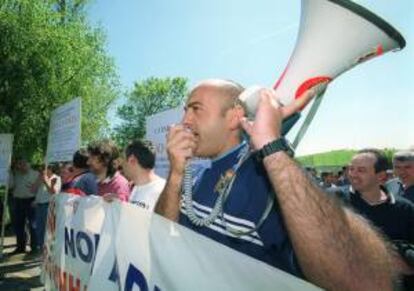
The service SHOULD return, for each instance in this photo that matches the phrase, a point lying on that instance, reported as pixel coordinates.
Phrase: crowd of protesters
(398, 176)
(100, 169)
(382, 193)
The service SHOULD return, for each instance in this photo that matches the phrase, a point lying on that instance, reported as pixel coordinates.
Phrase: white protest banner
(105, 273)
(168, 256)
(73, 234)
(129, 248)
(6, 148)
(64, 131)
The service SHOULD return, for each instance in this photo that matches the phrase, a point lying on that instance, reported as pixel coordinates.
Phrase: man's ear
(236, 115)
(130, 159)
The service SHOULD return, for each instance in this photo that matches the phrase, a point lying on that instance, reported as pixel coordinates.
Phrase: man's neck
(228, 149)
(374, 196)
(144, 177)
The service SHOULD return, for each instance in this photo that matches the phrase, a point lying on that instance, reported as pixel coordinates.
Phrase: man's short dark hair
(54, 167)
(107, 152)
(404, 156)
(80, 159)
(381, 162)
(143, 151)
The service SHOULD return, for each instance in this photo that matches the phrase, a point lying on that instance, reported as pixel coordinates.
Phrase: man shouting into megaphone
(255, 199)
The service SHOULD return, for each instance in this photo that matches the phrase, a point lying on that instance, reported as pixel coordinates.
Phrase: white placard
(6, 148)
(64, 132)
(157, 129)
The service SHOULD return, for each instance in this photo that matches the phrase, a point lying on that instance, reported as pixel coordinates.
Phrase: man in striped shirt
(230, 203)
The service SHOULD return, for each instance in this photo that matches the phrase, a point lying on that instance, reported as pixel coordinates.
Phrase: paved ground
(19, 272)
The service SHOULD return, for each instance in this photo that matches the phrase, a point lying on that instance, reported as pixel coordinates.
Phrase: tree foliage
(389, 154)
(49, 54)
(148, 97)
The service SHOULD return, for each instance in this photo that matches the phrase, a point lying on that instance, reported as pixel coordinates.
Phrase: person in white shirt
(48, 184)
(138, 167)
(23, 196)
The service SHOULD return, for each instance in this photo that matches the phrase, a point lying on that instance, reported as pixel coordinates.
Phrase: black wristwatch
(279, 144)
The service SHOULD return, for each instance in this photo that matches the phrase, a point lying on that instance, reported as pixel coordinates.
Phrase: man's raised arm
(336, 249)
(180, 145)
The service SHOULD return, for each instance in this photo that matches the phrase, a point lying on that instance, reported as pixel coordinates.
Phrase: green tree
(70, 9)
(389, 154)
(48, 56)
(148, 97)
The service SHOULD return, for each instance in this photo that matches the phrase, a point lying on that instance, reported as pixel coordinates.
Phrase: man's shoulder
(134, 192)
(118, 178)
(120, 183)
(161, 182)
(32, 174)
(409, 193)
(343, 193)
(254, 169)
(88, 182)
(394, 186)
(402, 211)
(403, 203)
(157, 185)
(88, 177)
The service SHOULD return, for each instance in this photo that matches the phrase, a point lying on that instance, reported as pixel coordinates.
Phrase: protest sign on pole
(6, 148)
(64, 132)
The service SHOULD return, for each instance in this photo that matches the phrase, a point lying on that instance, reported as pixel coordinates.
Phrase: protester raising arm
(51, 183)
(336, 249)
(182, 142)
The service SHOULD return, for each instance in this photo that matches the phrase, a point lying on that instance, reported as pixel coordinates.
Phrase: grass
(328, 160)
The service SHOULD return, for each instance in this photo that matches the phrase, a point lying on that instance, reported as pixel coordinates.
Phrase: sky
(251, 42)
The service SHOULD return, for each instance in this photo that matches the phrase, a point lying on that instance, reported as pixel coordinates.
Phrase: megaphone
(334, 36)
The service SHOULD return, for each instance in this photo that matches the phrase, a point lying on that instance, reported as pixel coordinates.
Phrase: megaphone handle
(289, 122)
(308, 119)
